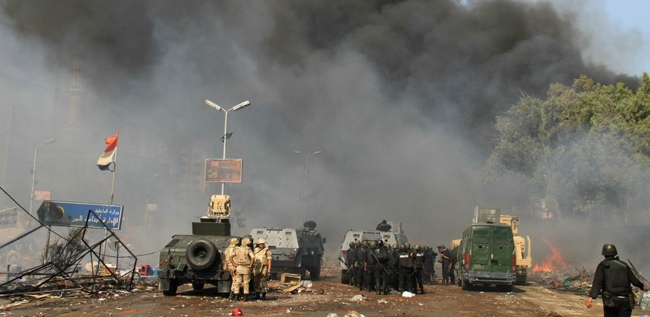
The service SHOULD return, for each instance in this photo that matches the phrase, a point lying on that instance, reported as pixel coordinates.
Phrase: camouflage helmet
(261, 241)
(245, 241)
(395, 246)
(417, 247)
(609, 250)
(352, 245)
(234, 241)
(373, 244)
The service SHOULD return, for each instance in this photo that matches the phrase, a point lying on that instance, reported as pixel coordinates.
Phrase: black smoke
(399, 96)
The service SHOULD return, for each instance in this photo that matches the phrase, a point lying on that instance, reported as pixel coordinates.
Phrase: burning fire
(554, 261)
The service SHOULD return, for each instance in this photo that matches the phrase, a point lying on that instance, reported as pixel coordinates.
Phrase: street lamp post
(225, 136)
(31, 195)
(304, 176)
(147, 212)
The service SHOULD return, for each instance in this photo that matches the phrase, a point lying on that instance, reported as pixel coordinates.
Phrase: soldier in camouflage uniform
(243, 261)
(261, 268)
(228, 266)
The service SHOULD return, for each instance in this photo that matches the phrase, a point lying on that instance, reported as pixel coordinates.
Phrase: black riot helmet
(352, 245)
(380, 243)
(609, 250)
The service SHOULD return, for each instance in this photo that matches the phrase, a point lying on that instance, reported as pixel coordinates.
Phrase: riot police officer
(381, 269)
(393, 267)
(369, 268)
(418, 264)
(613, 277)
(405, 268)
(349, 262)
(359, 263)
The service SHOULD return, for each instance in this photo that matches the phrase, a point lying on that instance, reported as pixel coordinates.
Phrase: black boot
(236, 296)
(245, 297)
(231, 296)
(263, 295)
(257, 295)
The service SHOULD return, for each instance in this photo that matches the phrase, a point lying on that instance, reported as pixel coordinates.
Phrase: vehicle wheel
(464, 284)
(197, 286)
(173, 287)
(314, 273)
(345, 277)
(201, 254)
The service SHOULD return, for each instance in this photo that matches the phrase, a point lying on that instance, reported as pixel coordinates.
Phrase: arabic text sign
(70, 214)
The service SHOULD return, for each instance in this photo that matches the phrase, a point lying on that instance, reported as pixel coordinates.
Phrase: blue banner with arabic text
(70, 214)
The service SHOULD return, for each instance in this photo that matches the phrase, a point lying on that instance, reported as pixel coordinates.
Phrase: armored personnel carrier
(389, 233)
(294, 250)
(197, 258)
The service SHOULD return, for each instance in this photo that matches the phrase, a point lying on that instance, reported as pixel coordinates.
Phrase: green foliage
(584, 151)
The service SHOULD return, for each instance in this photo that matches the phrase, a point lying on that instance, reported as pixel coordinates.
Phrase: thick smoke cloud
(399, 97)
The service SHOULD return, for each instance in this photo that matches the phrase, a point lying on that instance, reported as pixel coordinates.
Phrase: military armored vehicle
(197, 258)
(385, 231)
(294, 250)
(486, 254)
(522, 248)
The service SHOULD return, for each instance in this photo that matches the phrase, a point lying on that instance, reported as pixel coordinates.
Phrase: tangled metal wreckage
(58, 271)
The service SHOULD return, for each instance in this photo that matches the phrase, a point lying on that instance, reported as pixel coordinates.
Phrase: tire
(345, 277)
(173, 287)
(197, 286)
(464, 284)
(201, 254)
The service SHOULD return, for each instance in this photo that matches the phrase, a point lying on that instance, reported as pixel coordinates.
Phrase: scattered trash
(237, 312)
(357, 298)
(332, 315)
(644, 300)
(382, 301)
(408, 294)
(306, 283)
(353, 313)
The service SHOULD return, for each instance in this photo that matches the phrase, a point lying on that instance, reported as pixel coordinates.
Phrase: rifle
(638, 275)
(379, 263)
(346, 265)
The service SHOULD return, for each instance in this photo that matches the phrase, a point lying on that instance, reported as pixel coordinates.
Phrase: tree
(584, 151)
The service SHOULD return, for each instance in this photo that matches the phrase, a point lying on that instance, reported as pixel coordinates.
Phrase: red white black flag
(108, 156)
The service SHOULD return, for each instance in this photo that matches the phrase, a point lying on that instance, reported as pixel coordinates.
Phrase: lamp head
(212, 104)
(241, 105)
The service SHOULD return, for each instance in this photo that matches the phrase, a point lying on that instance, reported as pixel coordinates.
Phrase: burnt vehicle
(197, 258)
(294, 250)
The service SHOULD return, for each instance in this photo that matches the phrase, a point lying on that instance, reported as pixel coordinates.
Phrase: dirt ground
(326, 298)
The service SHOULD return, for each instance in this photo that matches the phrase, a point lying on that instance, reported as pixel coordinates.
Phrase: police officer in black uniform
(359, 263)
(369, 269)
(381, 269)
(418, 265)
(393, 267)
(349, 262)
(405, 268)
(613, 277)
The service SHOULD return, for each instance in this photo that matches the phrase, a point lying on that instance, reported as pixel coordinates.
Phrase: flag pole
(110, 198)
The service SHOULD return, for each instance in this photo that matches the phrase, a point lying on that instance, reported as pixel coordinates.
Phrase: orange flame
(554, 261)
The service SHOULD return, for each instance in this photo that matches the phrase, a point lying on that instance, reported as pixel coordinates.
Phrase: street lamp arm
(213, 105)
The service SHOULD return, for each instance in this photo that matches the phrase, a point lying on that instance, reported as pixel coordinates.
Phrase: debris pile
(571, 280)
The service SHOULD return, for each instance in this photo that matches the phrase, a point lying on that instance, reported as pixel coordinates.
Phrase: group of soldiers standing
(242, 261)
(380, 267)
